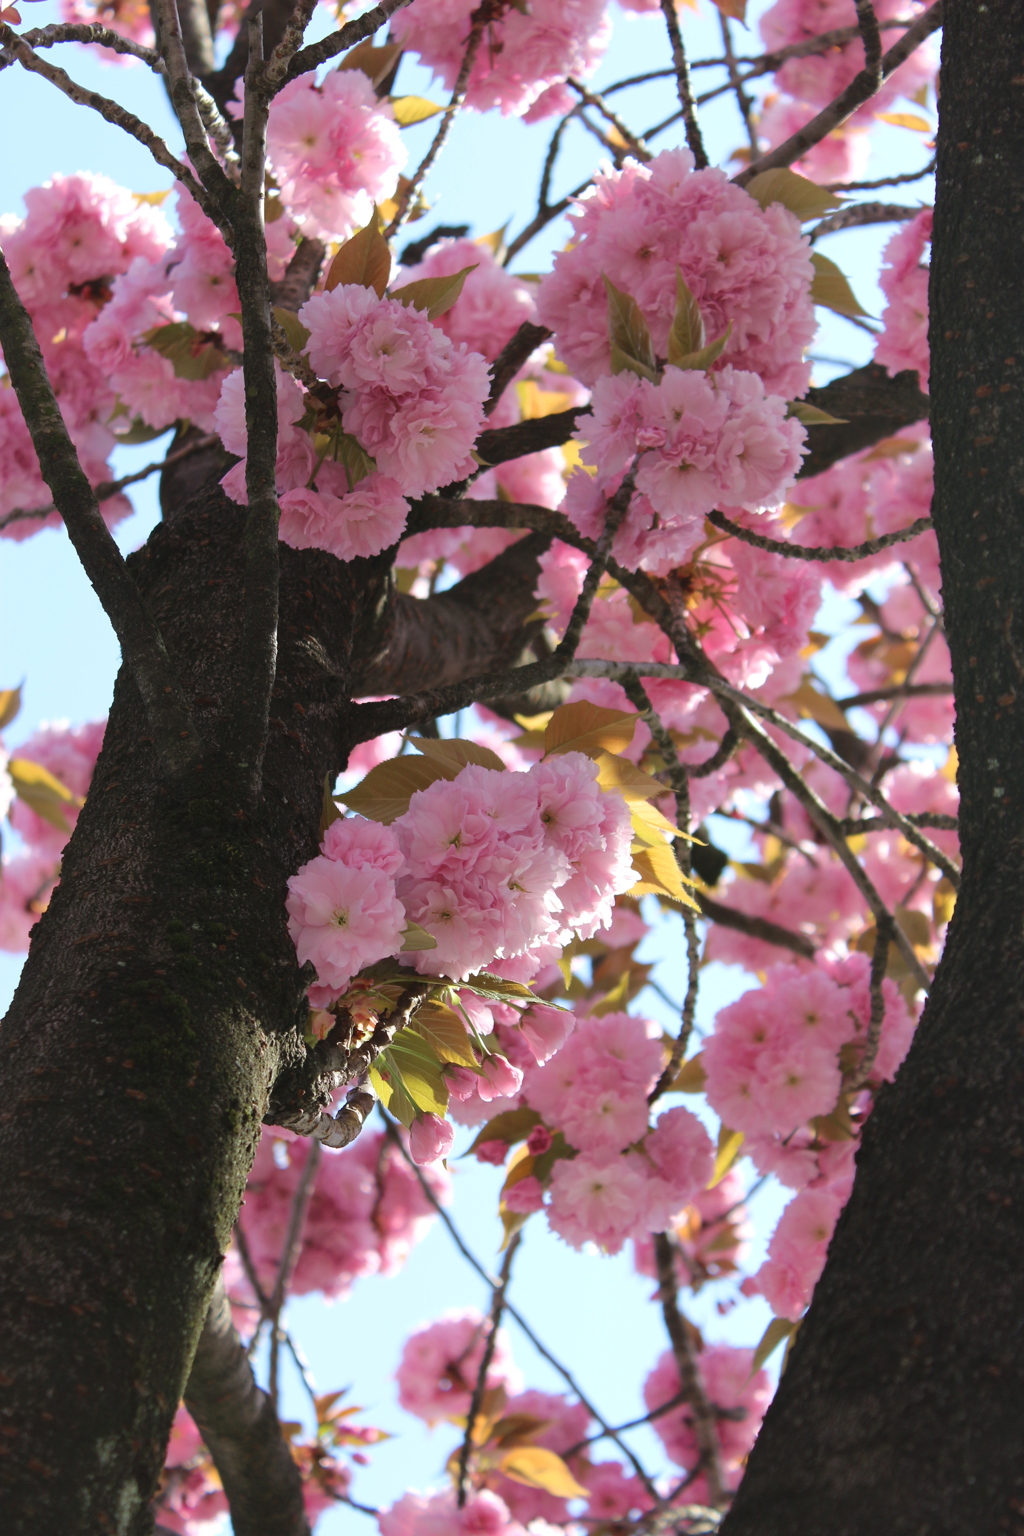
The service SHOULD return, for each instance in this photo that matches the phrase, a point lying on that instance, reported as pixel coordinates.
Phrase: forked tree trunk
(902, 1409)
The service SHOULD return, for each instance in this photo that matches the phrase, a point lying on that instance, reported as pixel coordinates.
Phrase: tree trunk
(160, 1000)
(902, 1409)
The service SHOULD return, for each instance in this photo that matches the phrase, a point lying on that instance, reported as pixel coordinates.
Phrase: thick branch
(351, 33)
(242, 1432)
(141, 644)
(871, 406)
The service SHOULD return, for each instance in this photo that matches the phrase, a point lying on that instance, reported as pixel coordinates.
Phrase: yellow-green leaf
(778, 1330)
(293, 328)
(831, 287)
(631, 345)
(618, 773)
(800, 196)
(614, 1001)
(413, 109)
(494, 241)
(511, 1125)
(701, 361)
(153, 199)
(454, 753)
(365, 259)
(10, 703)
(41, 791)
(190, 356)
(434, 295)
(687, 334)
(446, 1035)
(415, 938)
(589, 728)
(812, 415)
(811, 704)
(730, 1145)
(540, 1468)
(906, 120)
(375, 63)
(411, 1065)
(385, 792)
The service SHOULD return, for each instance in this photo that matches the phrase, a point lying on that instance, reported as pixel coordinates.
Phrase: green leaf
(296, 332)
(365, 260)
(701, 361)
(416, 938)
(346, 450)
(190, 355)
(385, 792)
(687, 334)
(375, 63)
(10, 703)
(434, 295)
(730, 1145)
(446, 1035)
(413, 109)
(811, 416)
(831, 288)
(42, 792)
(800, 196)
(778, 1330)
(498, 989)
(454, 753)
(510, 1126)
(420, 1071)
(631, 345)
(589, 728)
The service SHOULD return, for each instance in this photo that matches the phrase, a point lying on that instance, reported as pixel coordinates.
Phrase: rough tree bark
(159, 1004)
(902, 1409)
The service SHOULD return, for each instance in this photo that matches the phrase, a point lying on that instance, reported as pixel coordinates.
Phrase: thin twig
(514, 1313)
(177, 741)
(884, 181)
(683, 88)
(819, 552)
(860, 214)
(480, 1385)
(636, 145)
(860, 90)
(703, 1416)
(352, 32)
(897, 691)
(879, 963)
(181, 89)
(88, 32)
(289, 1258)
(743, 101)
(410, 190)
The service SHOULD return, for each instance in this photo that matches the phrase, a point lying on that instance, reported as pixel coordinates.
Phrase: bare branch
(346, 37)
(743, 101)
(884, 181)
(289, 1258)
(240, 1427)
(685, 92)
(512, 357)
(756, 927)
(703, 1415)
(480, 1385)
(142, 647)
(78, 32)
(280, 60)
(858, 214)
(826, 552)
(637, 148)
(860, 89)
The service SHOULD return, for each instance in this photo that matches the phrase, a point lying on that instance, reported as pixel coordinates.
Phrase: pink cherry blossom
(341, 919)
(430, 1139)
(796, 1253)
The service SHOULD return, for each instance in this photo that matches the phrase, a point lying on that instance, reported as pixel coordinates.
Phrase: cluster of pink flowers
(366, 1211)
(745, 265)
(29, 876)
(904, 281)
(698, 441)
(524, 55)
(335, 150)
(729, 1382)
(493, 303)
(498, 868)
(78, 234)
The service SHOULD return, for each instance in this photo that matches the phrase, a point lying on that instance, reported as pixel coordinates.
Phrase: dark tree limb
(141, 642)
(826, 552)
(871, 406)
(512, 357)
(242, 1432)
(757, 927)
(346, 37)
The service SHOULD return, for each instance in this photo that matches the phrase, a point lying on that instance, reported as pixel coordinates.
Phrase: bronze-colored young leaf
(778, 1330)
(538, 1467)
(365, 259)
(631, 345)
(687, 334)
(590, 728)
(387, 789)
(454, 753)
(802, 197)
(657, 869)
(10, 703)
(510, 1126)
(736, 10)
(691, 1076)
(434, 295)
(831, 288)
(413, 109)
(375, 63)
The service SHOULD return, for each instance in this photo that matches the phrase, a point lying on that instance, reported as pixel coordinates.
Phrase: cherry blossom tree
(285, 933)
